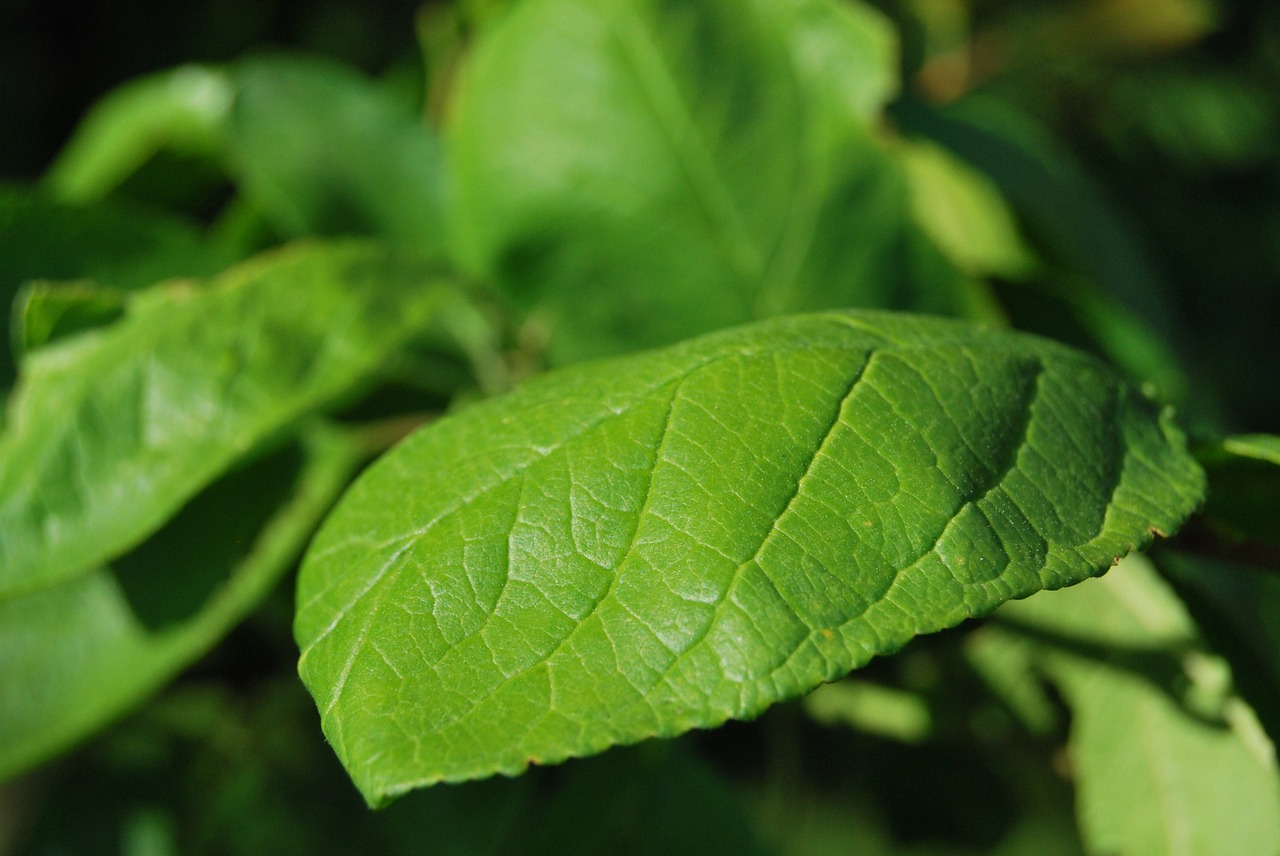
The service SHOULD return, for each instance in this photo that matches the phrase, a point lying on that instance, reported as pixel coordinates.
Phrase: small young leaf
(46, 311)
(111, 431)
(318, 148)
(639, 547)
(185, 109)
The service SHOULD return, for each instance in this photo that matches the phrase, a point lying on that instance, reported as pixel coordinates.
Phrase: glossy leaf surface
(640, 547)
(110, 431)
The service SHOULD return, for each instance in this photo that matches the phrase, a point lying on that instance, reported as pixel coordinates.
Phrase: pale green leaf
(638, 172)
(873, 708)
(1167, 761)
(109, 432)
(76, 655)
(640, 547)
(963, 212)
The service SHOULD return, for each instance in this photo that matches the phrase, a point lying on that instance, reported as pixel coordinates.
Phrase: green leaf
(1259, 447)
(1244, 479)
(45, 311)
(323, 150)
(76, 655)
(640, 547)
(183, 109)
(962, 210)
(111, 431)
(1166, 760)
(1237, 609)
(873, 708)
(116, 245)
(317, 147)
(639, 172)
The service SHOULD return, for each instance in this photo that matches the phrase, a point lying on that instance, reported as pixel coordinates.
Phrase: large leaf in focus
(74, 656)
(641, 171)
(1167, 760)
(111, 431)
(640, 547)
(116, 245)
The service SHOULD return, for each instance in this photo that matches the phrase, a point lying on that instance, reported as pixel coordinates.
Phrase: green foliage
(1152, 712)
(641, 547)
(110, 432)
(241, 282)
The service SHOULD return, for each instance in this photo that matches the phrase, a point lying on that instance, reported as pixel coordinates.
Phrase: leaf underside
(640, 547)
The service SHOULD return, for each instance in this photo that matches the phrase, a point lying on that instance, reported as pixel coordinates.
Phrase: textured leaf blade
(110, 431)
(645, 546)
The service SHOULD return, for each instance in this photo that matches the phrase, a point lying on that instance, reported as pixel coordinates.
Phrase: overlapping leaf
(74, 656)
(640, 172)
(1156, 734)
(116, 245)
(315, 147)
(645, 546)
(111, 431)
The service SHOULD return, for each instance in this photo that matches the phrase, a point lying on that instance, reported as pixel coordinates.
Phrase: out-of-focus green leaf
(1123, 301)
(963, 212)
(1257, 447)
(324, 151)
(872, 708)
(111, 431)
(1007, 665)
(1244, 481)
(116, 245)
(45, 311)
(639, 547)
(74, 656)
(184, 109)
(316, 147)
(636, 172)
(1166, 759)
(1237, 608)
